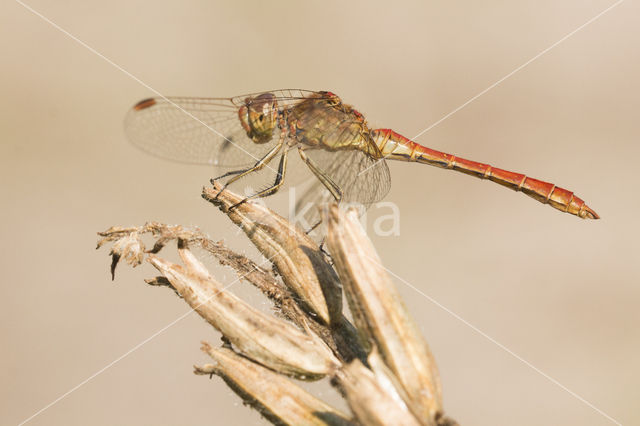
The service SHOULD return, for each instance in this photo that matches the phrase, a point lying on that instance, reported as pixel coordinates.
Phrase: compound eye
(261, 117)
(265, 100)
(265, 97)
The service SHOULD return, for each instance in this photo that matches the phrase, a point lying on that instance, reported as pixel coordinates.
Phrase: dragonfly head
(259, 116)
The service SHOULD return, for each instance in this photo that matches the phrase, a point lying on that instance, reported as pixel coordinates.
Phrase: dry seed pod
(274, 396)
(381, 316)
(296, 256)
(373, 400)
(270, 341)
(342, 337)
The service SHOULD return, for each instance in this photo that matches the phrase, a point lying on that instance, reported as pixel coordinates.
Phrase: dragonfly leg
(231, 173)
(326, 253)
(333, 188)
(282, 168)
(310, 230)
(258, 166)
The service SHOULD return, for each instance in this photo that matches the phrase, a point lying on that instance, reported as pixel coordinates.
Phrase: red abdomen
(396, 147)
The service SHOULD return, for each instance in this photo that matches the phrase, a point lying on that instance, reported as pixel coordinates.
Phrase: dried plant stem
(381, 365)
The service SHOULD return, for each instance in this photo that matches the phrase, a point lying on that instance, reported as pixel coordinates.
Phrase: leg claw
(219, 192)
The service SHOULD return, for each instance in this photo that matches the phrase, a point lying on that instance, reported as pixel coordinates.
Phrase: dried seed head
(373, 400)
(129, 247)
(381, 316)
(296, 256)
(274, 396)
(400, 384)
(271, 341)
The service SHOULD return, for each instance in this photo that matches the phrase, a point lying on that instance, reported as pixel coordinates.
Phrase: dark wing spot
(145, 103)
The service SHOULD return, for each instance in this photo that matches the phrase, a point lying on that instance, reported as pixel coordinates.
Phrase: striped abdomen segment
(396, 147)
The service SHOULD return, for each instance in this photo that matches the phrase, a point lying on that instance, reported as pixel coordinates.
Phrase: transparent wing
(362, 178)
(285, 97)
(200, 130)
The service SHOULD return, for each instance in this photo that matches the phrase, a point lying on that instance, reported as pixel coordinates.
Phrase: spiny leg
(256, 167)
(231, 173)
(321, 247)
(325, 252)
(282, 168)
(333, 188)
(310, 230)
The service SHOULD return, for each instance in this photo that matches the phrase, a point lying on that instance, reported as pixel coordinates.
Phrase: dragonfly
(247, 133)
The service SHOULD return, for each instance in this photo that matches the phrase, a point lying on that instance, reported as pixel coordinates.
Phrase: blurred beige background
(560, 292)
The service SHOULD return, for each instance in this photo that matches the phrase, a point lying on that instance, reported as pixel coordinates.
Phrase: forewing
(285, 97)
(200, 130)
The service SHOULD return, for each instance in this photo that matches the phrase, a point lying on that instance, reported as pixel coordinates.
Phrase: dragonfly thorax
(259, 117)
